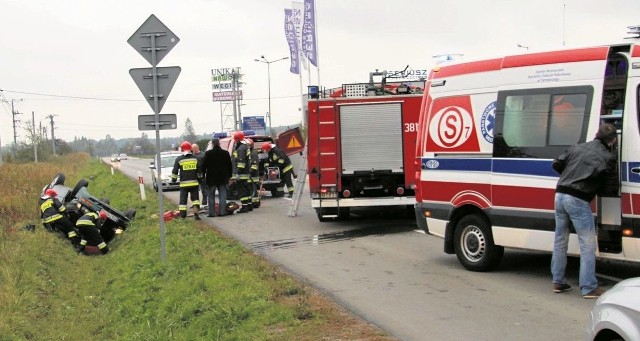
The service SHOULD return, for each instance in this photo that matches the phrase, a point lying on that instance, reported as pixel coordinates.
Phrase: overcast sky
(70, 58)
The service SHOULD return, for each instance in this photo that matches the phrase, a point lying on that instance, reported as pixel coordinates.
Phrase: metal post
(269, 94)
(34, 136)
(154, 71)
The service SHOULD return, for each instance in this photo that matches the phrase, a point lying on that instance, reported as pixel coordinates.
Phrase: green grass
(209, 288)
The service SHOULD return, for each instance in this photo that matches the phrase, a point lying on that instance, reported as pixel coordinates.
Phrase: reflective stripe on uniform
(189, 183)
(83, 242)
(102, 245)
(52, 218)
(71, 234)
(182, 207)
(288, 168)
(245, 198)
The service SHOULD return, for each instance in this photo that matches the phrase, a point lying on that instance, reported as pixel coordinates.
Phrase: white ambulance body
(489, 131)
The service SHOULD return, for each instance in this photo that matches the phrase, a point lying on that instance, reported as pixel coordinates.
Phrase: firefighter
(54, 217)
(278, 158)
(254, 175)
(241, 160)
(186, 165)
(89, 227)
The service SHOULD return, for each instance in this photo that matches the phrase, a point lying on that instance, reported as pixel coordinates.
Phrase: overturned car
(78, 200)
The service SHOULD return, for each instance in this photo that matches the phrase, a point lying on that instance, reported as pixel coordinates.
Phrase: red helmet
(51, 193)
(103, 214)
(185, 146)
(266, 147)
(238, 136)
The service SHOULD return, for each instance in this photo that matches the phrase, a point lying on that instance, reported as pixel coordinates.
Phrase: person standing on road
(186, 165)
(586, 170)
(254, 175)
(54, 217)
(89, 227)
(203, 185)
(241, 167)
(216, 167)
(278, 158)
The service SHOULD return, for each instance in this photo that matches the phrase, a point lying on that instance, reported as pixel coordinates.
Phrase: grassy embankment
(210, 287)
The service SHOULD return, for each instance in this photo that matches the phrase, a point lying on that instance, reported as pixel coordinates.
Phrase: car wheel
(79, 185)
(58, 179)
(474, 245)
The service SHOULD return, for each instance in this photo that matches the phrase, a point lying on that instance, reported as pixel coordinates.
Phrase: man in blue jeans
(586, 170)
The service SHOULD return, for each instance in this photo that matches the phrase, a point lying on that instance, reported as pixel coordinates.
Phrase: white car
(115, 158)
(167, 159)
(123, 156)
(616, 314)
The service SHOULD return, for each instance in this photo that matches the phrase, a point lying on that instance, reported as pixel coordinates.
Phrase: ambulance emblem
(487, 122)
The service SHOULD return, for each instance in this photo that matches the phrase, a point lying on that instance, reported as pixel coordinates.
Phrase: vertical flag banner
(297, 9)
(309, 43)
(290, 33)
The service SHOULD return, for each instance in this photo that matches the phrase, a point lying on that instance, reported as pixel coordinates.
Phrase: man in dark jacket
(186, 166)
(586, 170)
(216, 167)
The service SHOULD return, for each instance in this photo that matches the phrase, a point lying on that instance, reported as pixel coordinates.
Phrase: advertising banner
(309, 43)
(290, 34)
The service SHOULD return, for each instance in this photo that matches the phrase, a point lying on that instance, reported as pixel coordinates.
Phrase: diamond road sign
(166, 77)
(165, 40)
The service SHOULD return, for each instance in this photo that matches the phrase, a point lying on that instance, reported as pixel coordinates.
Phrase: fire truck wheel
(344, 213)
(474, 245)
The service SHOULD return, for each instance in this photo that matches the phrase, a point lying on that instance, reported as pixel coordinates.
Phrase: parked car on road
(115, 158)
(167, 160)
(616, 314)
(123, 156)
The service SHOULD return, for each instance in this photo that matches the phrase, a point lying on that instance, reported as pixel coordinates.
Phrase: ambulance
(488, 133)
(361, 143)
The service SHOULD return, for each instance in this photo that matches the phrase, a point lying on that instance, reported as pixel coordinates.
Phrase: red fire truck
(361, 145)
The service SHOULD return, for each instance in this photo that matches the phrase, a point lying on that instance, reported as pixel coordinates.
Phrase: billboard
(255, 123)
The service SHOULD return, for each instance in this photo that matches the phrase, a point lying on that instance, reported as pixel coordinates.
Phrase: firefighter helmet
(238, 136)
(185, 146)
(267, 147)
(103, 214)
(51, 193)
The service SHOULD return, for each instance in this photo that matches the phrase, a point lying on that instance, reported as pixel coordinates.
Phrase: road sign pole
(153, 40)
(154, 72)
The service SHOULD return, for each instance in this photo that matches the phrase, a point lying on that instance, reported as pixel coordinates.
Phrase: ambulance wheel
(474, 245)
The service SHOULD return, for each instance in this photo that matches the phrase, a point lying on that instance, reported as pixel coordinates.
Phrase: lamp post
(524, 47)
(268, 62)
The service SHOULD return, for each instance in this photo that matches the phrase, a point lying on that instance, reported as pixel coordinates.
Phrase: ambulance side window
(541, 123)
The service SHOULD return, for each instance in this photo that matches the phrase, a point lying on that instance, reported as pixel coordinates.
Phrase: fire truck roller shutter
(371, 137)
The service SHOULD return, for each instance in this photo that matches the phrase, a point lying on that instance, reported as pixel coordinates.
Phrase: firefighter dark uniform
(186, 166)
(278, 158)
(54, 217)
(241, 160)
(89, 227)
(254, 175)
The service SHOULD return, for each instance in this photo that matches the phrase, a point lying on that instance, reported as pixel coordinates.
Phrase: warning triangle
(294, 143)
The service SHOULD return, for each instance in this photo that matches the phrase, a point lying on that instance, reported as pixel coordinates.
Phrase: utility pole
(53, 136)
(34, 136)
(234, 87)
(14, 113)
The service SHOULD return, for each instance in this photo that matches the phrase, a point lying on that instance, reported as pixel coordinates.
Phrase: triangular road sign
(293, 143)
(166, 76)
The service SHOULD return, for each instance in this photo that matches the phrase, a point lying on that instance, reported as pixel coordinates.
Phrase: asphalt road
(379, 267)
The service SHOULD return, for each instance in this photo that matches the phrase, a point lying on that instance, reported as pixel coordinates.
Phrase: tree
(189, 133)
(146, 147)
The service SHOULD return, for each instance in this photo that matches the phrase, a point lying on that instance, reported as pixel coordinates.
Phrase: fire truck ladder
(299, 186)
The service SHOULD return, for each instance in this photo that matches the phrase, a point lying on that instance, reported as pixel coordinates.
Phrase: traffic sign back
(167, 77)
(165, 40)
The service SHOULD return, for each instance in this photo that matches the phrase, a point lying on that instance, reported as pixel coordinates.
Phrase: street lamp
(268, 62)
(524, 47)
